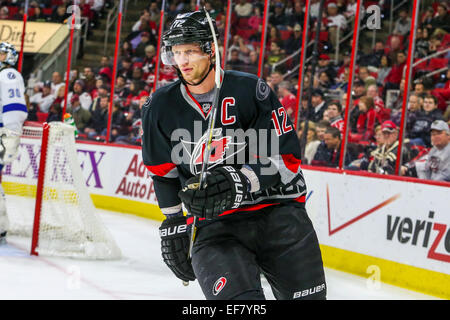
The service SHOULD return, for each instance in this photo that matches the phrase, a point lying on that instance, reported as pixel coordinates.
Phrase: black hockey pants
(279, 241)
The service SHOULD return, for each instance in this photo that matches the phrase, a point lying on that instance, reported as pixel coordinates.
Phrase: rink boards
(391, 230)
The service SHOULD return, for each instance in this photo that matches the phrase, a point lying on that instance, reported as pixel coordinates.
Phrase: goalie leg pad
(9, 145)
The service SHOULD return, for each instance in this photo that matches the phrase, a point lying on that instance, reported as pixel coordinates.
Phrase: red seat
(285, 34)
(12, 11)
(243, 23)
(422, 66)
(42, 116)
(47, 11)
(30, 12)
(245, 33)
(446, 40)
(437, 63)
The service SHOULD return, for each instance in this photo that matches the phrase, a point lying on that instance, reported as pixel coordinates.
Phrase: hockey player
(13, 113)
(251, 215)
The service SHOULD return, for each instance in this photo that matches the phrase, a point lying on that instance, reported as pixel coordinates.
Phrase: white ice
(140, 274)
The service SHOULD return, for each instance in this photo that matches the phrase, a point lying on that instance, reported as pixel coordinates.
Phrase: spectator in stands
(253, 64)
(154, 12)
(273, 36)
(392, 80)
(275, 79)
(60, 94)
(414, 106)
(149, 61)
(287, 99)
(403, 23)
(125, 69)
(235, 63)
(278, 18)
(103, 91)
(145, 41)
(436, 164)
(4, 13)
(422, 45)
(325, 64)
(440, 23)
(336, 22)
(83, 97)
(120, 89)
(334, 111)
(325, 81)
(133, 121)
(137, 78)
(321, 128)
(100, 85)
(105, 66)
(38, 15)
(373, 58)
(243, 48)
(99, 121)
(81, 116)
(256, 19)
(57, 82)
(426, 18)
(118, 123)
(297, 16)
(359, 90)
(275, 54)
(328, 153)
(54, 113)
(350, 10)
(422, 87)
(44, 98)
(243, 9)
(59, 14)
(294, 42)
(366, 77)
(384, 69)
(319, 105)
(312, 141)
(367, 120)
(383, 113)
(385, 156)
(395, 46)
(89, 79)
(420, 128)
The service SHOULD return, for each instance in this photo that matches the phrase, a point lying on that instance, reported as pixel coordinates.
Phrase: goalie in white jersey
(13, 113)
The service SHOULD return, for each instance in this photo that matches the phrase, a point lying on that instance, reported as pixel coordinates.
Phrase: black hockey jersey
(252, 133)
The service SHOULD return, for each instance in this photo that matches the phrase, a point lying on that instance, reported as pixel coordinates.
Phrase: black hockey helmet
(191, 27)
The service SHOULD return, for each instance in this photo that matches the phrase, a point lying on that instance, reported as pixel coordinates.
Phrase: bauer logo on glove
(225, 189)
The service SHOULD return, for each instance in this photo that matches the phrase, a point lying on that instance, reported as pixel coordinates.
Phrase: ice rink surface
(140, 274)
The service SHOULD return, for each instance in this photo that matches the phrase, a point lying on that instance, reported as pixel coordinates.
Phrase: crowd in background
(377, 96)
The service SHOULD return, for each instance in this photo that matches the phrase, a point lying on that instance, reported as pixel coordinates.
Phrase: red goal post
(51, 203)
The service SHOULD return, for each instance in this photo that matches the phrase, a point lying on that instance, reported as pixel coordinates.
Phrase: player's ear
(213, 53)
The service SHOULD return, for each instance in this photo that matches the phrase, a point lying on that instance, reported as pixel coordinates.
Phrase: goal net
(47, 198)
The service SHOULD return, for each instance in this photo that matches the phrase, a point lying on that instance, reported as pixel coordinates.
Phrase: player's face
(2, 56)
(192, 61)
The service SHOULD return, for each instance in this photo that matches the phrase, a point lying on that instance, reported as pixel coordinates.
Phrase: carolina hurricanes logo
(218, 150)
(219, 285)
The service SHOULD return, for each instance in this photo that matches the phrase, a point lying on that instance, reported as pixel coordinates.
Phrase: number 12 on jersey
(284, 127)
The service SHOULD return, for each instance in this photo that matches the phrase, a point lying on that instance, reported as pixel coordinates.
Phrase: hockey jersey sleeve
(279, 153)
(156, 154)
(12, 100)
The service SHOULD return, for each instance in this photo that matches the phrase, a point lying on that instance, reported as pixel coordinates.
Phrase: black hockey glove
(224, 189)
(175, 236)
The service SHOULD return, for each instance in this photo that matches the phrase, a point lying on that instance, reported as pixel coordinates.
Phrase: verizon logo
(419, 232)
